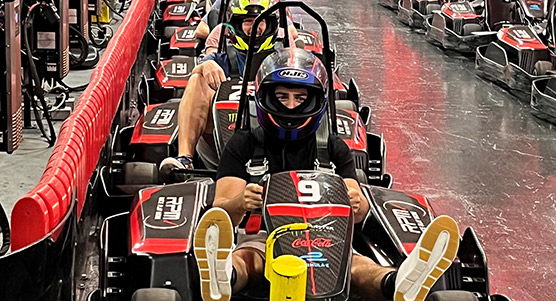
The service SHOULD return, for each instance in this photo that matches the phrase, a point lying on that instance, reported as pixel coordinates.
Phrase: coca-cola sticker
(318, 242)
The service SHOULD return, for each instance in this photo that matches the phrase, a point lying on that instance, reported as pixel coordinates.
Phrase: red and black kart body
(515, 59)
(520, 54)
(462, 27)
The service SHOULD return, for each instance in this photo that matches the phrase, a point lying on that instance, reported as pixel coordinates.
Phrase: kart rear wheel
(471, 27)
(361, 176)
(139, 173)
(155, 294)
(452, 296)
(542, 67)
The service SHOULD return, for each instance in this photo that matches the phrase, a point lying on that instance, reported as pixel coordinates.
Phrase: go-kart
(520, 54)
(464, 25)
(413, 13)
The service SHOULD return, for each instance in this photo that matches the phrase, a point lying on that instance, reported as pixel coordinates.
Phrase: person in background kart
(195, 120)
(203, 30)
(289, 111)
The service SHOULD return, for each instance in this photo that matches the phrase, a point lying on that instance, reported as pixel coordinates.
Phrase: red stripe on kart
(421, 199)
(151, 139)
(161, 246)
(309, 211)
(409, 246)
(295, 179)
(227, 105)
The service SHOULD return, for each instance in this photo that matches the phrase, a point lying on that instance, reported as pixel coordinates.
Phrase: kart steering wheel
(5, 229)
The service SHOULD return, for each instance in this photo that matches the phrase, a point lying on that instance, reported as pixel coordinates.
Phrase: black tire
(361, 176)
(542, 67)
(471, 27)
(432, 7)
(140, 173)
(452, 296)
(155, 294)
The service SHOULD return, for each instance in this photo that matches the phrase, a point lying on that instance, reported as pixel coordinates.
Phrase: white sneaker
(169, 164)
(213, 245)
(436, 249)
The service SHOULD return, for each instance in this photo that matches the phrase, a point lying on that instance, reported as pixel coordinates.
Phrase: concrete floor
(472, 148)
(21, 170)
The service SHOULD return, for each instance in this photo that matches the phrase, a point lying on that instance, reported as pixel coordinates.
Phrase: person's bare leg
(249, 265)
(193, 113)
(366, 277)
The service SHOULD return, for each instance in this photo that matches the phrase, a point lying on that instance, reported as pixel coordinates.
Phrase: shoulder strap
(257, 166)
(232, 56)
(322, 161)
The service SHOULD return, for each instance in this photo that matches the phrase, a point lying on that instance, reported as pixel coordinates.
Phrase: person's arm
(233, 195)
(202, 31)
(359, 203)
(345, 167)
(212, 72)
(211, 44)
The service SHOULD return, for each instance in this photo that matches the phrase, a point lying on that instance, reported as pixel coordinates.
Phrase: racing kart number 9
(309, 191)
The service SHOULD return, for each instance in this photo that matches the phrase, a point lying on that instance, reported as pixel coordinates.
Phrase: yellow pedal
(287, 274)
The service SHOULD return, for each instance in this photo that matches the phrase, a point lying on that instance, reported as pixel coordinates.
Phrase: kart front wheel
(155, 294)
(452, 296)
(542, 67)
(471, 27)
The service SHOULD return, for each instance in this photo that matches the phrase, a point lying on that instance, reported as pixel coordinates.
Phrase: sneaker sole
(437, 249)
(225, 241)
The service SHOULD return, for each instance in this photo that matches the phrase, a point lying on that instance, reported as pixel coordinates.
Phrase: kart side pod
(287, 274)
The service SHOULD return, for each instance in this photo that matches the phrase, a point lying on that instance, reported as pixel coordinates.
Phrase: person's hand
(359, 204)
(354, 200)
(213, 74)
(252, 199)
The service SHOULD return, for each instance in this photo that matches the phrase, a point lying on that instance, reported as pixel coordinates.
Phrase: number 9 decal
(309, 191)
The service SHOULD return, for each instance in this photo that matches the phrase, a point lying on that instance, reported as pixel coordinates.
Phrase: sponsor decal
(459, 8)
(188, 34)
(162, 120)
(308, 39)
(295, 74)
(178, 68)
(167, 215)
(179, 9)
(521, 34)
(325, 228)
(408, 215)
(318, 242)
(232, 117)
(344, 126)
(315, 260)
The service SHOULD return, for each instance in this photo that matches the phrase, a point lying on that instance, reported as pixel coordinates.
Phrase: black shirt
(282, 155)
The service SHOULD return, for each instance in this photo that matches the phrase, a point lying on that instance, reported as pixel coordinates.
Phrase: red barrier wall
(82, 135)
